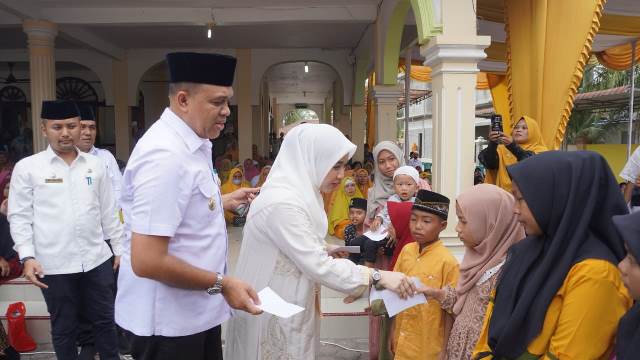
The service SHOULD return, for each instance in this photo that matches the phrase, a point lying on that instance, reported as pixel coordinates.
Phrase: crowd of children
(538, 277)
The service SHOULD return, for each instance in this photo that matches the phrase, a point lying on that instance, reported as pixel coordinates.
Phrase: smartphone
(496, 123)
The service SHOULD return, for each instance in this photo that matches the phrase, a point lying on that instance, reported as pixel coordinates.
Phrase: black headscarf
(572, 196)
(628, 338)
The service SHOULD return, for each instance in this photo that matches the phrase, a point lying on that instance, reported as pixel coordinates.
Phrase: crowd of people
(136, 263)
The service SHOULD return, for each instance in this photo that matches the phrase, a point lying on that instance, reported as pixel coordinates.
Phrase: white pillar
(245, 112)
(41, 36)
(121, 111)
(358, 117)
(453, 58)
(386, 108)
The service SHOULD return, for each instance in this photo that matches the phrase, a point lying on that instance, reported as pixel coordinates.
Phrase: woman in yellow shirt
(560, 295)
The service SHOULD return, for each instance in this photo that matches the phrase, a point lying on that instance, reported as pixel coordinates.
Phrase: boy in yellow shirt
(421, 332)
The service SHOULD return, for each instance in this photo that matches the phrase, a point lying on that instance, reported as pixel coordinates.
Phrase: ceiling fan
(11, 79)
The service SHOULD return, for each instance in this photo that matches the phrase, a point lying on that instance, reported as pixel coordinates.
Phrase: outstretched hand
(239, 197)
(240, 295)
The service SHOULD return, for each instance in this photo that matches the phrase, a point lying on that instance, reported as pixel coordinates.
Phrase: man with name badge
(61, 209)
(173, 291)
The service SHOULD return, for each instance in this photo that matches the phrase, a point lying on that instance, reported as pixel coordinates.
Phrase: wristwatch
(376, 276)
(217, 287)
(24, 259)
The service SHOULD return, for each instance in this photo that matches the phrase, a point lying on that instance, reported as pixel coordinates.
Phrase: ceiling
(291, 85)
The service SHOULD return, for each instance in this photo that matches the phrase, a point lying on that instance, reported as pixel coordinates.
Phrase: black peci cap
(200, 68)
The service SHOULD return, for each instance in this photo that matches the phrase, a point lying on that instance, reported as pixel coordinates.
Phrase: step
(20, 290)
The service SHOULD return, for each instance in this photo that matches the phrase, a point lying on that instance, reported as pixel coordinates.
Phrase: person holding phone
(524, 140)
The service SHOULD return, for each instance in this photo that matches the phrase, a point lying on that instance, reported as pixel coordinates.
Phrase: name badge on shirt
(53, 181)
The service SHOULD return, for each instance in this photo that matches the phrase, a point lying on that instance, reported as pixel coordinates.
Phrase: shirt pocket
(206, 194)
(430, 279)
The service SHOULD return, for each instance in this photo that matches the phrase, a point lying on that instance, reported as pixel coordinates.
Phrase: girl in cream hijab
(283, 248)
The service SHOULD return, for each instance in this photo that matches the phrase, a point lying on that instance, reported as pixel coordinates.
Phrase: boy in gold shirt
(421, 332)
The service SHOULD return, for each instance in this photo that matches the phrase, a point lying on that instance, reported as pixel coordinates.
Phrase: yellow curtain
(371, 115)
(548, 44)
(619, 57)
(423, 73)
(500, 96)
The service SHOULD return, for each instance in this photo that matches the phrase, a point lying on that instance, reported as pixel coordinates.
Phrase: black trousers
(85, 332)
(206, 345)
(90, 295)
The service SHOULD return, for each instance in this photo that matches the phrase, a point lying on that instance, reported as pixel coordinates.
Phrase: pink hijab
(488, 210)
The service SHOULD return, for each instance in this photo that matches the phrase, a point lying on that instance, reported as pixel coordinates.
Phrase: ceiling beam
(201, 16)
(21, 10)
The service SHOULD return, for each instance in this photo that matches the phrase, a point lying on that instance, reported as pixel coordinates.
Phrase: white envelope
(272, 303)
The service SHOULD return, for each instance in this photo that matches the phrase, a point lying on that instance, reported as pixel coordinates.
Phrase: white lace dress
(281, 252)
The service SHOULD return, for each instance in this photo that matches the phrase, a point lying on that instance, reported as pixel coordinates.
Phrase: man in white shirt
(60, 211)
(631, 174)
(173, 291)
(88, 133)
(86, 144)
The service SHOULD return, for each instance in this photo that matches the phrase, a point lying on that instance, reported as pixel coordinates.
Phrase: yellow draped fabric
(573, 328)
(546, 53)
(500, 96)
(535, 143)
(339, 208)
(494, 10)
(619, 57)
(423, 73)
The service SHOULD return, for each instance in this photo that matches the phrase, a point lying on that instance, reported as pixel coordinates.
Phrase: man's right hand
(33, 272)
(5, 268)
(240, 295)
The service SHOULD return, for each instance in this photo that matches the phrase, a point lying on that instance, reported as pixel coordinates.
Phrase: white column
(454, 71)
(386, 108)
(41, 36)
(245, 112)
(121, 109)
(358, 117)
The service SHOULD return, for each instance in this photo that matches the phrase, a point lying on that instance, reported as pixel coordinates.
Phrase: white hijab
(382, 184)
(306, 156)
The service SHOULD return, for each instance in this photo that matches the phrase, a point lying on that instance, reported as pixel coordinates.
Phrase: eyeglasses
(520, 127)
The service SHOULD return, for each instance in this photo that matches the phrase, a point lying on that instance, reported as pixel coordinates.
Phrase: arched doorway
(301, 91)
(13, 122)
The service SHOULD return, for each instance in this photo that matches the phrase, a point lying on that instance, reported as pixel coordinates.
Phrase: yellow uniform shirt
(582, 319)
(419, 331)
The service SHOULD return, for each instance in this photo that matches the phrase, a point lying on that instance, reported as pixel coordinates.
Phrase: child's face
(350, 188)
(425, 227)
(630, 270)
(356, 216)
(405, 187)
(525, 216)
(463, 230)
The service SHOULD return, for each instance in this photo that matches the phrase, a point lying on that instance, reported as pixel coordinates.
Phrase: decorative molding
(489, 66)
(465, 57)
(385, 94)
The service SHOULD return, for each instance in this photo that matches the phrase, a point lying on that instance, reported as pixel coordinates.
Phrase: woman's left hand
(505, 139)
(241, 196)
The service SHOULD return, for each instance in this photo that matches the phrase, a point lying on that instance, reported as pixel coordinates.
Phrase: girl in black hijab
(628, 339)
(560, 295)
